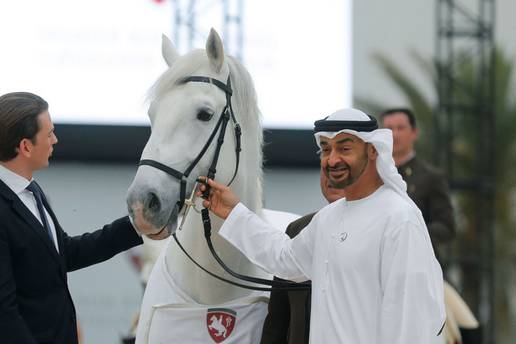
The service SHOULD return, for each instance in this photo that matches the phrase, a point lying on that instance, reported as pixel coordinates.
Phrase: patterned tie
(36, 191)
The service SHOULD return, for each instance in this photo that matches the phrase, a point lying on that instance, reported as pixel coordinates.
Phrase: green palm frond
(416, 99)
(409, 89)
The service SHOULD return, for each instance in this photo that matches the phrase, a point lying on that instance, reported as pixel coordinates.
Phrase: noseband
(225, 116)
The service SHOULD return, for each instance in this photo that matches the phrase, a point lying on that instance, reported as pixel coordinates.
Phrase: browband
(334, 126)
(225, 87)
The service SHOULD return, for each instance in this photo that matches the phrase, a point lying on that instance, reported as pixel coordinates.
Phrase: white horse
(180, 298)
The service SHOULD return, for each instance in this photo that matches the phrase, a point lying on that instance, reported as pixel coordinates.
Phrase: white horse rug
(169, 315)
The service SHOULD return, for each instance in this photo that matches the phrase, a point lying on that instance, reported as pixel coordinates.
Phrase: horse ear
(168, 51)
(215, 50)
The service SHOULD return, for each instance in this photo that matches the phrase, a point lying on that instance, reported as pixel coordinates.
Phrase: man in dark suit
(426, 185)
(288, 317)
(35, 252)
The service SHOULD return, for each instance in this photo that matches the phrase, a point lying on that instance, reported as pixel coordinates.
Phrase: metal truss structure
(465, 31)
(190, 16)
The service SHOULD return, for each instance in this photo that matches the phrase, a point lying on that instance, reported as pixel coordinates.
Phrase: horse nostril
(153, 203)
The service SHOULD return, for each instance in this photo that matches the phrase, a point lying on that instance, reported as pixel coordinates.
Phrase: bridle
(226, 115)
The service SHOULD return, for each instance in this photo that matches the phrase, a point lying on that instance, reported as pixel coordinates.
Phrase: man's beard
(353, 173)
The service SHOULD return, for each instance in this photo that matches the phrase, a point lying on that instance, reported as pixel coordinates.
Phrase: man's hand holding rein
(221, 199)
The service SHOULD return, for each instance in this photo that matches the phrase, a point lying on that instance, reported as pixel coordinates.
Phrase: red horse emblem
(220, 323)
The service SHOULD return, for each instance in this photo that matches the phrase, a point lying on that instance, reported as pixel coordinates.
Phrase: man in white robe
(375, 279)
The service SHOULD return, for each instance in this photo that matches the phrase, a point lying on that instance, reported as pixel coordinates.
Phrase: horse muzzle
(150, 211)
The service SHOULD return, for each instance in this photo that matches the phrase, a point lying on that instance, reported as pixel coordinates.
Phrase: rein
(226, 115)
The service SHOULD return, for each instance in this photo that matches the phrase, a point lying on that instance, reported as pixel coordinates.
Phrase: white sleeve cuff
(227, 228)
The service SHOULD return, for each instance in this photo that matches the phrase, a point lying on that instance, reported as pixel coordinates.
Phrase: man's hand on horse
(221, 199)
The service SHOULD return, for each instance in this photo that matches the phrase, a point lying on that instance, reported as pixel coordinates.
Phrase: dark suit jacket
(35, 303)
(428, 188)
(288, 320)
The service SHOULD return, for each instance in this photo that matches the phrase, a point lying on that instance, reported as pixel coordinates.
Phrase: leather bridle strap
(172, 172)
(238, 134)
(162, 167)
(221, 123)
(228, 108)
(225, 87)
(213, 167)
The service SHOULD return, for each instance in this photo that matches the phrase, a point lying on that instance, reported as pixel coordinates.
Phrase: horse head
(186, 106)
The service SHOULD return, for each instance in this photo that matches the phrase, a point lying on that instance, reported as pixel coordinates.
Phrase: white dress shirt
(18, 185)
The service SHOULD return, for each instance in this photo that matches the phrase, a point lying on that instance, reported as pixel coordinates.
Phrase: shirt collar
(13, 180)
(359, 201)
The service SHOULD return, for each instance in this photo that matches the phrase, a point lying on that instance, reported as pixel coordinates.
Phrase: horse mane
(244, 99)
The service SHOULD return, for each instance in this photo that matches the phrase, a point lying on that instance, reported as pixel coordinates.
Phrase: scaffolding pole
(192, 19)
(469, 27)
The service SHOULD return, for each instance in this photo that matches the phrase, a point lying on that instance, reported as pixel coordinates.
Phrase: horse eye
(204, 115)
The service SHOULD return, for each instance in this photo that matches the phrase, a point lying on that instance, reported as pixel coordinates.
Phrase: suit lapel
(35, 225)
(26, 215)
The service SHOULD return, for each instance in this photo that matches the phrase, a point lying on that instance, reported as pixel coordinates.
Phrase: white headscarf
(381, 139)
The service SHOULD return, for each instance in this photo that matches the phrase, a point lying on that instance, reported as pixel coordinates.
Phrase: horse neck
(196, 283)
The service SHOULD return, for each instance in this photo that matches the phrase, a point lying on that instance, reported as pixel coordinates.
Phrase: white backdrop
(94, 60)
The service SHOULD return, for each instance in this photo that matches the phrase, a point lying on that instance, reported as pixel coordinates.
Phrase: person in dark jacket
(426, 185)
(35, 253)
